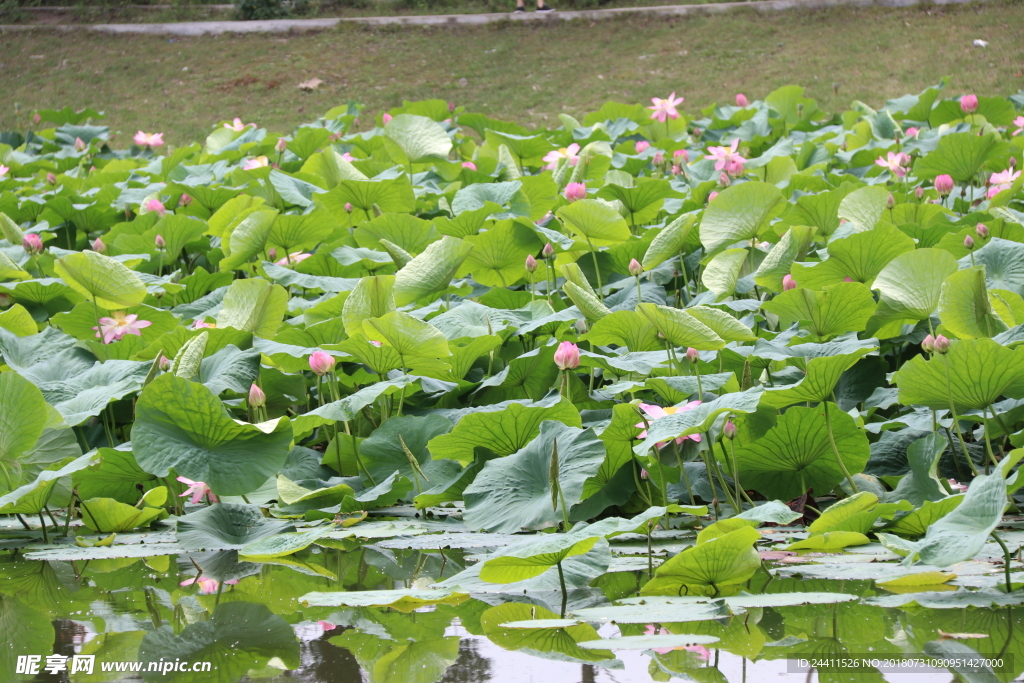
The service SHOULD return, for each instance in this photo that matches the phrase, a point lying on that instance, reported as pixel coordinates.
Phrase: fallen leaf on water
(961, 636)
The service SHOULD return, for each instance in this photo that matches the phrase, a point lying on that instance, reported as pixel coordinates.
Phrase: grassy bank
(524, 71)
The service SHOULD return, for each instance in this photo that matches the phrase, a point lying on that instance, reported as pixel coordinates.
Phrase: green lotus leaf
(113, 474)
(965, 306)
(723, 324)
(401, 599)
(373, 297)
(682, 329)
(779, 261)
(594, 222)
(565, 644)
(182, 425)
(255, 306)
(922, 483)
(705, 569)
(23, 417)
(916, 523)
(230, 368)
(863, 208)
(911, 284)
(670, 242)
(409, 337)
(533, 557)
(303, 232)
(282, 545)
(860, 257)
(409, 233)
(387, 194)
(31, 498)
(642, 202)
(515, 492)
(723, 271)
(106, 515)
(830, 541)
(973, 375)
(498, 258)
(960, 155)
(699, 419)
(590, 306)
(246, 238)
(401, 440)
(102, 279)
(430, 272)
(838, 308)
(226, 526)
(420, 139)
(624, 328)
(796, 454)
(739, 213)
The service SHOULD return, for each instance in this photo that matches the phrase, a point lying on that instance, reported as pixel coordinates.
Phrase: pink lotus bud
(451, 106)
(321, 362)
(272, 254)
(741, 100)
(469, 164)
(642, 145)
(548, 251)
(692, 355)
(919, 193)
(184, 200)
(913, 132)
(644, 474)
(696, 133)
(982, 230)
(788, 283)
(36, 119)
(944, 184)
(941, 344)
(729, 430)
(847, 279)
(969, 104)
(724, 180)
(32, 243)
(348, 206)
(257, 399)
(164, 363)
(681, 153)
(676, 170)
(387, 117)
(98, 246)
(159, 242)
(969, 242)
(51, 179)
(711, 197)
(658, 159)
(575, 191)
(581, 326)
(531, 264)
(635, 269)
(79, 145)
(281, 146)
(890, 202)
(567, 356)
(155, 205)
(1013, 161)
(928, 344)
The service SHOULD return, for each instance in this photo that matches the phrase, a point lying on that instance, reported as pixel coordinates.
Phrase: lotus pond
(428, 396)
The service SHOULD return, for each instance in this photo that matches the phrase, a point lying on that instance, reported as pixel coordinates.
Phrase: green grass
(522, 71)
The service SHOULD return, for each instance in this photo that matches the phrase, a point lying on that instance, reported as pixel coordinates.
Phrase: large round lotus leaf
(183, 426)
(110, 283)
(796, 455)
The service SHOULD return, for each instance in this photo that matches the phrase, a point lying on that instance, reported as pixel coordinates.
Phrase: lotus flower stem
(1006, 560)
(718, 471)
(70, 512)
(561, 582)
(988, 442)
(42, 523)
(686, 478)
(835, 451)
(956, 419)
(597, 271)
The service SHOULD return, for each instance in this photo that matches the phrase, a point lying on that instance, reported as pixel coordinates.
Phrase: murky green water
(248, 621)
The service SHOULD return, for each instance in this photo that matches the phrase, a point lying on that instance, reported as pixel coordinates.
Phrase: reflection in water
(258, 630)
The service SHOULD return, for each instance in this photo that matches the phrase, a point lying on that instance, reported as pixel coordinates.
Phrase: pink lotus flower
(726, 159)
(575, 191)
(118, 325)
(347, 157)
(913, 132)
(257, 399)
(658, 159)
(98, 246)
(1019, 122)
(788, 283)
(681, 153)
(151, 140)
(741, 100)
(642, 145)
(154, 206)
(374, 342)
(1001, 181)
(711, 197)
(198, 490)
(238, 126)
(969, 104)
(80, 145)
(5, 169)
(567, 356)
(207, 586)
(896, 163)
(469, 164)
(184, 200)
(258, 162)
(32, 244)
(944, 184)
(702, 652)
(570, 154)
(655, 412)
(387, 117)
(321, 362)
(676, 170)
(956, 486)
(200, 324)
(293, 258)
(326, 625)
(665, 109)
